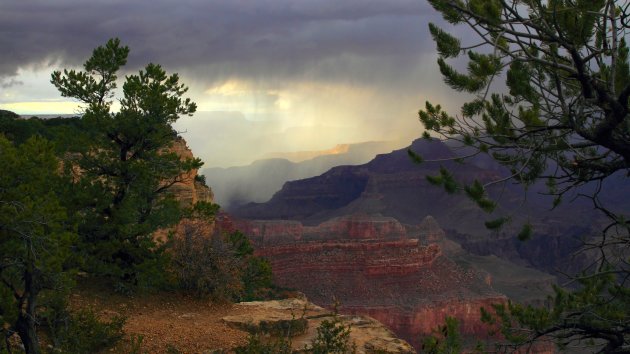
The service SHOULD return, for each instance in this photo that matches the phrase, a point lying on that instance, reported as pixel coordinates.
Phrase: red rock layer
(367, 258)
(372, 266)
(422, 320)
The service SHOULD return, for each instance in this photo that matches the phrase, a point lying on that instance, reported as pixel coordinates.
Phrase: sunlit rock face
(188, 190)
(367, 334)
(374, 265)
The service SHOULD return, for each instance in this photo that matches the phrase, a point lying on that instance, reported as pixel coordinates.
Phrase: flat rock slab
(300, 319)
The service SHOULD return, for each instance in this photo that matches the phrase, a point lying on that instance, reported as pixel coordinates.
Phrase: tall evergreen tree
(124, 168)
(35, 236)
(564, 118)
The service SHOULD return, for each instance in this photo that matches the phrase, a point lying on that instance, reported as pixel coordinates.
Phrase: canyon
(347, 259)
(374, 265)
(392, 185)
(407, 275)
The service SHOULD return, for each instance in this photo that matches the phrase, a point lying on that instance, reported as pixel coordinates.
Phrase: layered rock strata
(392, 185)
(376, 266)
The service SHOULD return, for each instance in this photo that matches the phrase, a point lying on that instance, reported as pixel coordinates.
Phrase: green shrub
(83, 332)
(256, 276)
(135, 344)
(257, 280)
(221, 267)
(256, 344)
(206, 265)
(333, 337)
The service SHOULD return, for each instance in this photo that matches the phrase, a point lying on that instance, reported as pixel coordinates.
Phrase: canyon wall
(413, 323)
(374, 265)
(392, 185)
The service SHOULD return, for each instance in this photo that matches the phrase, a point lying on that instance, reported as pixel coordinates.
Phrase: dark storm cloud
(327, 39)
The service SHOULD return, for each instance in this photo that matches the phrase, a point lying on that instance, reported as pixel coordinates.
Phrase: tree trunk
(25, 327)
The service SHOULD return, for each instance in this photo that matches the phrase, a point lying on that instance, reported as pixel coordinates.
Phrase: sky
(267, 75)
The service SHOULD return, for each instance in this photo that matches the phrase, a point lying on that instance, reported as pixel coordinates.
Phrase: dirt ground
(167, 322)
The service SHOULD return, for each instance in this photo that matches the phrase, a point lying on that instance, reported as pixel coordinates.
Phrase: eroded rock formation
(392, 185)
(189, 189)
(376, 266)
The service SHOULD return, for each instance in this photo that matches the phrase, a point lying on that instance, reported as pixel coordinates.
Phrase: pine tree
(35, 236)
(124, 165)
(563, 117)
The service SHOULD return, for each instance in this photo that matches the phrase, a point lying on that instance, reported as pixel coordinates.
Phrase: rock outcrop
(189, 189)
(376, 266)
(299, 319)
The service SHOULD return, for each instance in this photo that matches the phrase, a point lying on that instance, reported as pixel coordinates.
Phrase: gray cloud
(221, 38)
(9, 82)
(304, 74)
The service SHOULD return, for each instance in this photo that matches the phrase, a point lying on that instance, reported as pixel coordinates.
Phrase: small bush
(221, 267)
(83, 332)
(281, 328)
(256, 344)
(333, 337)
(257, 280)
(135, 344)
(206, 265)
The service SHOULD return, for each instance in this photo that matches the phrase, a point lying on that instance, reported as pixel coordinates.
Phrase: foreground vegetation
(562, 119)
(87, 194)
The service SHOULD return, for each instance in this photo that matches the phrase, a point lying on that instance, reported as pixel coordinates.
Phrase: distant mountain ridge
(257, 182)
(392, 185)
(299, 156)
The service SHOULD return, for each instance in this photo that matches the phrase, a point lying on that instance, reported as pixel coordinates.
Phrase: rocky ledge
(299, 319)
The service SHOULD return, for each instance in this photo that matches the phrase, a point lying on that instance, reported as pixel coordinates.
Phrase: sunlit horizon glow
(267, 77)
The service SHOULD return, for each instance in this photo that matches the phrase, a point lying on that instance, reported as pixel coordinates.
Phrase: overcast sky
(267, 75)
